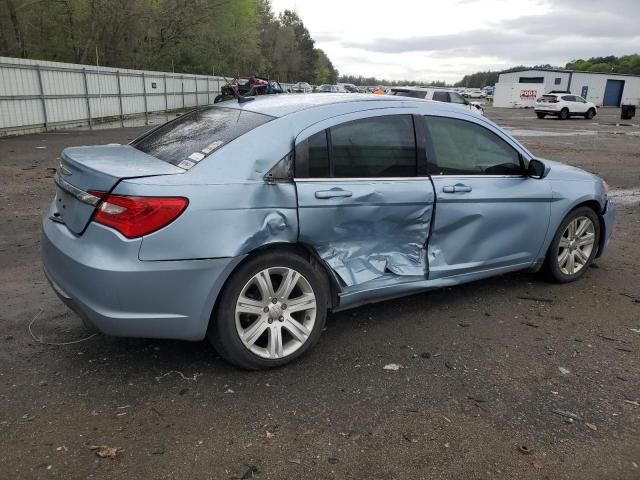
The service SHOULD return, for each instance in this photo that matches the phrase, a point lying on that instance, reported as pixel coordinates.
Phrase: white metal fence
(40, 96)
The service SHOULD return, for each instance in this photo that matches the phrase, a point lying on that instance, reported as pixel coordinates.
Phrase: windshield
(188, 139)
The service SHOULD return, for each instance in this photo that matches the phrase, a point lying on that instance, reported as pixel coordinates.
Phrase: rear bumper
(99, 277)
(608, 222)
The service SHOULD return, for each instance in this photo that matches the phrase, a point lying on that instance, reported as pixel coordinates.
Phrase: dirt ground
(491, 372)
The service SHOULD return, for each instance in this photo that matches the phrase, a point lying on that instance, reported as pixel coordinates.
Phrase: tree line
(230, 37)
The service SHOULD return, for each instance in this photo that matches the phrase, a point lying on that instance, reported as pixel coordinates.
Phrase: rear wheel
(271, 311)
(564, 114)
(541, 115)
(590, 114)
(574, 246)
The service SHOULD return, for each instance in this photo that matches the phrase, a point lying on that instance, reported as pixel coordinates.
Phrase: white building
(520, 89)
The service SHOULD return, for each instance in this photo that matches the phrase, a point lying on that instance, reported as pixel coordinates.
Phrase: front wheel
(271, 311)
(574, 246)
(590, 114)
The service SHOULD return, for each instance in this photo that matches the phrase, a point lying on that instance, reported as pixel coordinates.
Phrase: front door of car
(581, 105)
(364, 201)
(489, 217)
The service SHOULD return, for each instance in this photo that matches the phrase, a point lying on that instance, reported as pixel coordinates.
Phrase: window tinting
(410, 93)
(318, 155)
(461, 147)
(201, 131)
(441, 96)
(456, 98)
(374, 147)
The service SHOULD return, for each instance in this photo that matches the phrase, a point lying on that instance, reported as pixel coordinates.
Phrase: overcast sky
(446, 39)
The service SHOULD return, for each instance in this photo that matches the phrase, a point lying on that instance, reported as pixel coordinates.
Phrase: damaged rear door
(365, 201)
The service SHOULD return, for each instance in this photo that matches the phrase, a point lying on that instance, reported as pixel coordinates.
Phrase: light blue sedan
(245, 222)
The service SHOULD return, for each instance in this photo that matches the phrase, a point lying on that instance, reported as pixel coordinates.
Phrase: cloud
(575, 29)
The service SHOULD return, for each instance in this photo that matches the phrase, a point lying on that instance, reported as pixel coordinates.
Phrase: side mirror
(537, 169)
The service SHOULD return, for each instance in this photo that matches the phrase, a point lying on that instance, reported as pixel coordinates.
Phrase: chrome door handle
(324, 194)
(457, 188)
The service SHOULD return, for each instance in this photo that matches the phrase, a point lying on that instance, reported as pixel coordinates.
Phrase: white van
(438, 95)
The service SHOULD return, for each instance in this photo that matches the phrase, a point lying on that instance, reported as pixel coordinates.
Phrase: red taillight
(137, 216)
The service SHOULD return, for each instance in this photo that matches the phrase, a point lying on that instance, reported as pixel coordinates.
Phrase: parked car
(438, 95)
(302, 87)
(473, 93)
(564, 106)
(247, 221)
(328, 89)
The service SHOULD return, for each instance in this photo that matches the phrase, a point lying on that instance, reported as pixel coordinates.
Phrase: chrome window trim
(360, 179)
(462, 175)
(81, 195)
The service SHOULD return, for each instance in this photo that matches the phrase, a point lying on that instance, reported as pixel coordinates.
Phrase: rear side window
(410, 94)
(188, 139)
(456, 98)
(374, 147)
(441, 96)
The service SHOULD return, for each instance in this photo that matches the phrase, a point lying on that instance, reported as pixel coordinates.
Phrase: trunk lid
(84, 170)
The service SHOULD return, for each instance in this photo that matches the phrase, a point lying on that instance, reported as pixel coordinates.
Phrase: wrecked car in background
(245, 222)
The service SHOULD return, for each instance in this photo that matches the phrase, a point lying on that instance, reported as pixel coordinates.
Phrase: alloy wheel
(275, 312)
(576, 245)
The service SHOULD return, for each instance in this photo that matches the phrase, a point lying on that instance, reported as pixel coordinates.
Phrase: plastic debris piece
(392, 366)
(564, 371)
(104, 451)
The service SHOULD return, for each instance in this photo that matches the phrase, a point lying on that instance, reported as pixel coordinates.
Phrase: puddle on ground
(625, 196)
(522, 132)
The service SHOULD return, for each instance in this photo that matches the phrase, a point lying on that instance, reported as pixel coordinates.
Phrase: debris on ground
(194, 378)
(425, 355)
(564, 371)
(536, 299)
(566, 414)
(332, 460)
(104, 451)
(251, 469)
(297, 461)
(591, 426)
(526, 450)
(464, 324)
(270, 435)
(392, 366)
(530, 324)
(536, 463)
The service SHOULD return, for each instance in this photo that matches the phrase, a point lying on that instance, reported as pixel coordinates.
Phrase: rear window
(548, 97)
(410, 93)
(188, 139)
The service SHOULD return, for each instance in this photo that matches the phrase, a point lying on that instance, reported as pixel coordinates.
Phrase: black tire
(218, 99)
(541, 115)
(223, 333)
(551, 262)
(564, 114)
(590, 114)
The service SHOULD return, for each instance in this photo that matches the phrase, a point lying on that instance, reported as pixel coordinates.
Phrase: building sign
(528, 93)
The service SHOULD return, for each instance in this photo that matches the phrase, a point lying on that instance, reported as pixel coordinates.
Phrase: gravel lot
(490, 372)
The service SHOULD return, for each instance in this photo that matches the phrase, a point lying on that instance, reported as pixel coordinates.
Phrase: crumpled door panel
(364, 229)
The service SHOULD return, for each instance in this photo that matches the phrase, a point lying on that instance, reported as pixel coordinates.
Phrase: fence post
(166, 101)
(182, 89)
(197, 101)
(44, 102)
(120, 99)
(208, 97)
(144, 93)
(86, 97)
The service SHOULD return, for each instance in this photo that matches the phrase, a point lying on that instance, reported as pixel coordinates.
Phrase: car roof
(282, 105)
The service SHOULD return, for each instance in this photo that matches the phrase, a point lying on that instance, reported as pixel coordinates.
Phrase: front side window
(459, 147)
(569, 98)
(457, 98)
(374, 147)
